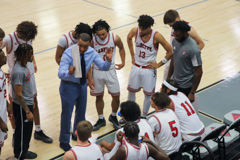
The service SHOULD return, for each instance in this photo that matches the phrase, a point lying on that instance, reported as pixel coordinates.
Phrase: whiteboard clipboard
(76, 62)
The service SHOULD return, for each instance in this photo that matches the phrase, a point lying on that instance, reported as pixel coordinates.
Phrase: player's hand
(152, 65)
(29, 116)
(133, 59)
(119, 136)
(91, 84)
(35, 68)
(191, 97)
(109, 54)
(71, 70)
(3, 127)
(10, 112)
(119, 66)
(145, 139)
(102, 144)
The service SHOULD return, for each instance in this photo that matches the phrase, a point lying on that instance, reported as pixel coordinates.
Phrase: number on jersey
(142, 54)
(173, 129)
(184, 106)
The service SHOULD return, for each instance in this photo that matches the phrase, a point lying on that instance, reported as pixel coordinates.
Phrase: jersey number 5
(188, 113)
(142, 54)
(173, 129)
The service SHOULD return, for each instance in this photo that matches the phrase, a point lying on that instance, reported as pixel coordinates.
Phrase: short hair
(181, 26)
(173, 83)
(23, 51)
(170, 16)
(131, 130)
(130, 110)
(27, 30)
(161, 100)
(84, 130)
(145, 21)
(2, 33)
(83, 28)
(100, 25)
(84, 37)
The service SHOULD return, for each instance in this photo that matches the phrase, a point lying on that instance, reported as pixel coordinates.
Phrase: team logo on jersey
(15, 43)
(141, 45)
(104, 49)
(183, 52)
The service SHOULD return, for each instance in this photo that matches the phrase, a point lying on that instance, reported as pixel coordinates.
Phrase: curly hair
(181, 26)
(173, 83)
(2, 33)
(27, 30)
(22, 53)
(99, 25)
(170, 16)
(83, 28)
(161, 100)
(131, 130)
(130, 110)
(145, 21)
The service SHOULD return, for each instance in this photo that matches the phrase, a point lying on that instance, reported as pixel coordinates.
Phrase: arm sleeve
(64, 66)
(17, 79)
(109, 155)
(103, 65)
(62, 42)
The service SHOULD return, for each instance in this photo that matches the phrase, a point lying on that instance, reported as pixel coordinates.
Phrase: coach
(186, 64)
(73, 91)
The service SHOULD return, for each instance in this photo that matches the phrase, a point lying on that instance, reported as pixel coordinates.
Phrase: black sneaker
(121, 121)
(114, 121)
(74, 137)
(100, 123)
(41, 136)
(13, 140)
(65, 146)
(30, 155)
(143, 117)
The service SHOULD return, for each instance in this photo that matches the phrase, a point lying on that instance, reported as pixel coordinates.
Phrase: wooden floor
(216, 21)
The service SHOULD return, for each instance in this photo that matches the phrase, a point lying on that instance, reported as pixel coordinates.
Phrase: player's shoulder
(69, 155)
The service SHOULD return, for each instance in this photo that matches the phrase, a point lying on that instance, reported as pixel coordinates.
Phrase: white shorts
(189, 137)
(166, 69)
(3, 115)
(33, 83)
(102, 78)
(142, 78)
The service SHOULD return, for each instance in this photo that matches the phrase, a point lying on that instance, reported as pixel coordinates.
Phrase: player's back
(167, 128)
(133, 152)
(188, 118)
(89, 152)
(145, 129)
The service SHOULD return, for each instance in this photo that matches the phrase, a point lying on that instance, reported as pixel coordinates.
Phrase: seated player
(130, 111)
(190, 124)
(84, 149)
(128, 146)
(165, 124)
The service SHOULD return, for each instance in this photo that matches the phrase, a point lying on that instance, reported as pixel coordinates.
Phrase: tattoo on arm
(23, 104)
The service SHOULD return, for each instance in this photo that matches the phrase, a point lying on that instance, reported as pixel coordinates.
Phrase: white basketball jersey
(69, 39)
(167, 129)
(145, 51)
(15, 41)
(101, 47)
(172, 34)
(189, 120)
(134, 152)
(89, 152)
(3, 97)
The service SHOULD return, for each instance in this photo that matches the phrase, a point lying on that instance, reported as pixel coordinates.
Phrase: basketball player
(4, 105)
(147, 42)
(132, 149)
(104, 39)
(84, 149)
(131, 112)
(165, 124)
(190, 124)
(22, 96)
(169, 18)
(25, 33)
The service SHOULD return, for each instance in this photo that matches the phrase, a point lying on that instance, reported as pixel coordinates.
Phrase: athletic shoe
(13, 140)
(30, 155)
(100, 123)
(114, 121)
(41, 136)
(121, 121)
(143, 117)
(65, 146)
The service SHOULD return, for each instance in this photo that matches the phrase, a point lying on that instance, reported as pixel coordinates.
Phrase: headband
(169, 86)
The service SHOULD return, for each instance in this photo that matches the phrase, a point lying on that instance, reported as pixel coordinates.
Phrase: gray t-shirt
(21, 76)
(186, 56)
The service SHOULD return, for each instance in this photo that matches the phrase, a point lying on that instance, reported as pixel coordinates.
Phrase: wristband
(164, 60)
(109, 60)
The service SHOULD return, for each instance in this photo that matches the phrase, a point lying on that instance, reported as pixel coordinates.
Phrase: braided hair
(100, 25)
(131, 130)
(23, 52)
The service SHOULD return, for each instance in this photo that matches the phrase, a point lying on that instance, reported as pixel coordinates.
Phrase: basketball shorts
(189, 137)
(108, 78)
(142, 78)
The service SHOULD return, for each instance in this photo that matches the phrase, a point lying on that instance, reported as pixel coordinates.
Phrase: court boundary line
(149, 114)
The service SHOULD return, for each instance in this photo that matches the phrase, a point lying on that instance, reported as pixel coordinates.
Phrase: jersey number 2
(173, 129)
(188, 113)
(142, 54)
